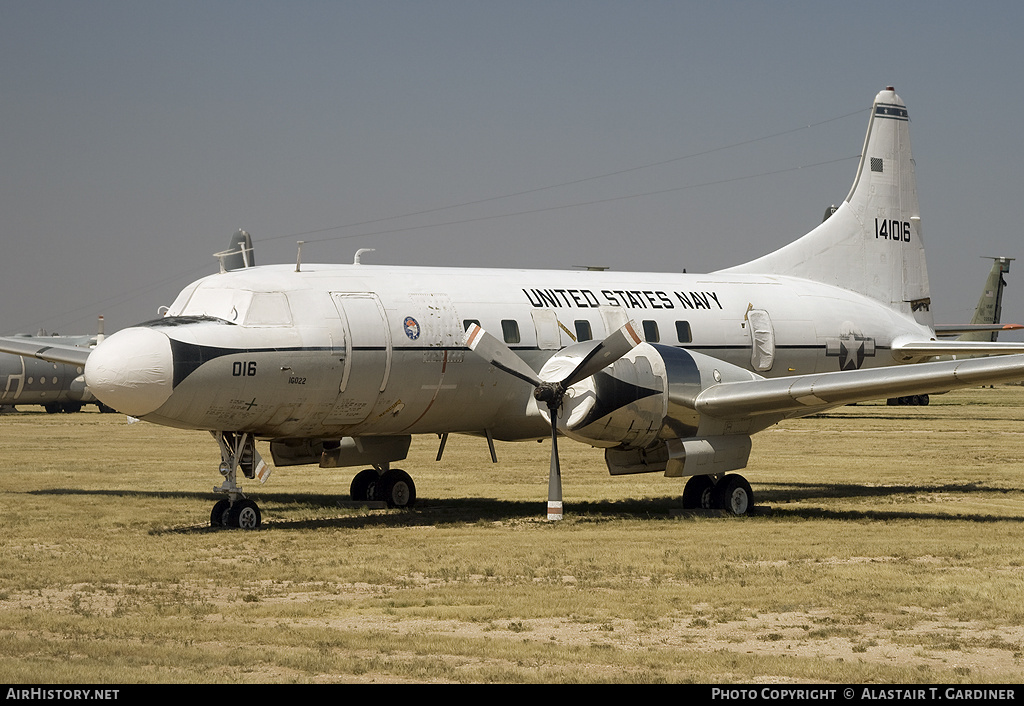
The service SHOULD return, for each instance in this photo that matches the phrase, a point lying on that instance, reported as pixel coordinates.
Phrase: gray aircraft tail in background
(984, 326)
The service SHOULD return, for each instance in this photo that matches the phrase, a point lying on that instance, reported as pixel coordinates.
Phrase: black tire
(364, 485)
(245, 514)
(219, 515)
(397, 489)
(733, 494)
(698, 493)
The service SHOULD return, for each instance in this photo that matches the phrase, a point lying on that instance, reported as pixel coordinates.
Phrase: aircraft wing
(914, 349)
(39, 348)
(798, 396)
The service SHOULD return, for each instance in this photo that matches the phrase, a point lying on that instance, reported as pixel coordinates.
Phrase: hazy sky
(136, 137)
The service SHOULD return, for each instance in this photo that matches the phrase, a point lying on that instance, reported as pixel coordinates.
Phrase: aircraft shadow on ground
(935, 417)
(780, 500)
(779, 495)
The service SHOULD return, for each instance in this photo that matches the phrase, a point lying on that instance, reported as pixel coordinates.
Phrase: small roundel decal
(412, 328)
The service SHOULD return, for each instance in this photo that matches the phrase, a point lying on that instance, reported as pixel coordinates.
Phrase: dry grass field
(892, 550)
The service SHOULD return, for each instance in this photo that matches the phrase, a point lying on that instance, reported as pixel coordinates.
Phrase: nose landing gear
(237, 451)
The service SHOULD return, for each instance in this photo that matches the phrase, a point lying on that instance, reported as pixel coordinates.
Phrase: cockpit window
(268, 309)
(238, 306)
(228, 304)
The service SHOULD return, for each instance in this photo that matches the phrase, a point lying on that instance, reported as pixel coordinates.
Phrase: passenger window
(583, 331)
(466, 323)
(651, 332)
(683, 332)
(510, 331)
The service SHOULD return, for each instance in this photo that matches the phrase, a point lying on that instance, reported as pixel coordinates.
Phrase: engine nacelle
(642, 410)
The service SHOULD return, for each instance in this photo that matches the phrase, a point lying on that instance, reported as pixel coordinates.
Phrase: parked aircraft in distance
(669, 372)
(57, 387)
(30, 380)
(985, 324)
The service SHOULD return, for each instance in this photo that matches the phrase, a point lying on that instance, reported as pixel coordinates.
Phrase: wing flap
(39, 348)
(806, 394)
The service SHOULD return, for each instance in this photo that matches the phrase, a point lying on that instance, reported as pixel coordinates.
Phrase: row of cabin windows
(510, 330)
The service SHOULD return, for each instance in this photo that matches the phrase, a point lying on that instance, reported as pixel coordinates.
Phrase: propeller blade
(499, 355)
(607, 352)
(555, 475)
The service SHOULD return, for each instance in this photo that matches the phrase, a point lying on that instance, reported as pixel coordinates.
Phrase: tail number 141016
(898, 231)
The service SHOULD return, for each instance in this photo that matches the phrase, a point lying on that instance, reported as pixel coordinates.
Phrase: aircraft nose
(132, 371)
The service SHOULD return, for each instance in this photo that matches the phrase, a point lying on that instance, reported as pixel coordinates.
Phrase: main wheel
(397, 488)
(733, 494)
(364, 485)
(245, 514)
(698, 493)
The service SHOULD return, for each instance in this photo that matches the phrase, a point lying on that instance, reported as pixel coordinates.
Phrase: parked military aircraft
(985, 324)
(341, 364)
(58, 388)
(29, 380)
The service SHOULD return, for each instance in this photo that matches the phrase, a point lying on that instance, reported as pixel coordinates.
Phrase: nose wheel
(244, 514)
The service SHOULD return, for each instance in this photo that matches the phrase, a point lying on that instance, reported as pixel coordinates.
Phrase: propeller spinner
(552, 393)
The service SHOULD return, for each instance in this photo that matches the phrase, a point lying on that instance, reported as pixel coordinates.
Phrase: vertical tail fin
(990, 305)
(872, 244)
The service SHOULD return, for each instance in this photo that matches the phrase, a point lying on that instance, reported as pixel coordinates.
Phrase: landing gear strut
(730, 492)
(237, 451)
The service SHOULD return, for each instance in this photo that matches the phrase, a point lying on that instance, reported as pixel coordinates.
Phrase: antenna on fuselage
(298, 256)
(360, 251)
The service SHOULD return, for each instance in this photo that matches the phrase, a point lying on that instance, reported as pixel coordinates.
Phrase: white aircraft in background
(341, 364)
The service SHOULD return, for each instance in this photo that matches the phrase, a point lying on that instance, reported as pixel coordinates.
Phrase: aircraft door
(762, 340)
(363, 327)
(17, 379)
(545, 323)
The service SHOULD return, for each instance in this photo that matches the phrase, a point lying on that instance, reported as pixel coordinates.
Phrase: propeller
(552, 393)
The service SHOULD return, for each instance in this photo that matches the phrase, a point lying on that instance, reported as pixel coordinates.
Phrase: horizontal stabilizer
(917, 349)
(39, 348)
(807, 394)
(957, 329)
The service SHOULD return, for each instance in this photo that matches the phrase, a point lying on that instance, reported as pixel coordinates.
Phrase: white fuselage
(363, 350)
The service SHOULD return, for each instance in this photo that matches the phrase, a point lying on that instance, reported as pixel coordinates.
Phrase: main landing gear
(391, 485)
(730, 492)
(237, 452)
